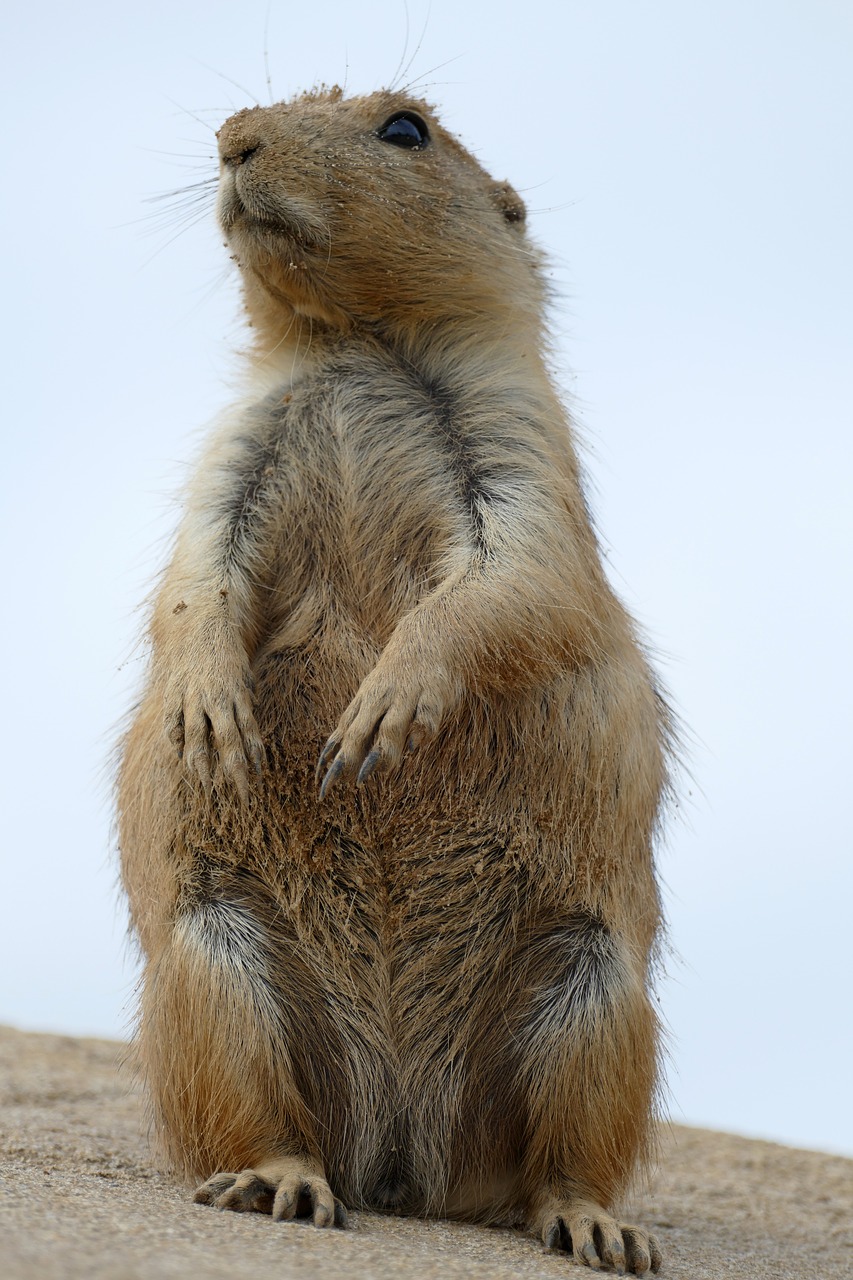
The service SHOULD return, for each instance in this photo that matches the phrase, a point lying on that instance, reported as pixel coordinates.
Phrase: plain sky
(689, 173)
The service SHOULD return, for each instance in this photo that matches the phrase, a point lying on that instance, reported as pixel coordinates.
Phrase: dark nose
(239, 157)
(239, 138)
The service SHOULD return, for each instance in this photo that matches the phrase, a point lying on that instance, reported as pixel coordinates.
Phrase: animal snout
(239, 139)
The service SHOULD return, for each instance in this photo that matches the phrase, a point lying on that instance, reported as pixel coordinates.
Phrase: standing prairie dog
(417, 979)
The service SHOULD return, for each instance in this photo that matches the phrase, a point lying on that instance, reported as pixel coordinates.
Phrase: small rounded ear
(509, 202)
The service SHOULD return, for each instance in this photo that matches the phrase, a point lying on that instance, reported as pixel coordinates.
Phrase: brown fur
(429, 991)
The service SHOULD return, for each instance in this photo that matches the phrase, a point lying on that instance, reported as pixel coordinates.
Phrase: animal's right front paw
(211, 723)
(287, 1189)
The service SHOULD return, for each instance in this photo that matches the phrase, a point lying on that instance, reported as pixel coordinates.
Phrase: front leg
(208, 711)
(524, 599)
(208, 617)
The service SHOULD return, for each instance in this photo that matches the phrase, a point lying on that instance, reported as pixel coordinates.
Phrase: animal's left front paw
(595, 1239)
(397, 706)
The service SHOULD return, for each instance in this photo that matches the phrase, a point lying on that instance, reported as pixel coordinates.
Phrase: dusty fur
(428, 990)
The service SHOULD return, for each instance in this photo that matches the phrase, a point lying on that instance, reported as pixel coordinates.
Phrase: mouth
(249, 214)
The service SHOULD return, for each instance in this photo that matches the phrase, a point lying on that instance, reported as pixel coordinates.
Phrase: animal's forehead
(327, 111)
(383, 101)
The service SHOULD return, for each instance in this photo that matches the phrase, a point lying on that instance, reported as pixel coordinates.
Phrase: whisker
(212, 288)
(147, 261)
(417, 49)
(399, 68)
(266, 52)
(163, 219)
(193, 188)
(192, 115)
(178, 224)
(281, 340)
(176, 211)
(179, 155)
(227, 80)
(407, 88)
(554, 208)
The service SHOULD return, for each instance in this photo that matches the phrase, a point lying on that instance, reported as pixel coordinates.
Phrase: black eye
(405, 129)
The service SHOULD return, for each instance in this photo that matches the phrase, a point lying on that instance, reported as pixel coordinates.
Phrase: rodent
(418, 979)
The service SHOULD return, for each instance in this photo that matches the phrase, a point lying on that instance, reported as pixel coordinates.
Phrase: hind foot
(583, 1228)
(288, 1188)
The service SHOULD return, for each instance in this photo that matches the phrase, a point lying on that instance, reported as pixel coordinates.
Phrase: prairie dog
(414, 977)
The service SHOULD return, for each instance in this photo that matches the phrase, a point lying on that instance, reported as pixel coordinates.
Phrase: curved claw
(332, 776)
(590, 1257)
(341, 1215)
(370, 762)
(556, 1236)
(325, 756)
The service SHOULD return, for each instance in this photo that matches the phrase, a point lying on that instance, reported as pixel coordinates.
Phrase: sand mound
(81, 1197)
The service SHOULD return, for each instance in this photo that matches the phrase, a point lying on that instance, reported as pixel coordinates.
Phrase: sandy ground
(80, 1196)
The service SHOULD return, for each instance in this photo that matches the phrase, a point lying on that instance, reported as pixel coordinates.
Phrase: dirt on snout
(81, 1196)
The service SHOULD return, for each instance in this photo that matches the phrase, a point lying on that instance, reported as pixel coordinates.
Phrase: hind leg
(589, 1069)
(216, 1043)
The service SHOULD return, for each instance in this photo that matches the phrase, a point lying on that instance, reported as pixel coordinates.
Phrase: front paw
(287, 1189)
(395, 708)
(210, 719)
(595, 1239)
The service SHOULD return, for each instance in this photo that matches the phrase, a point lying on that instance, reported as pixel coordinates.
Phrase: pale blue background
(688, 167)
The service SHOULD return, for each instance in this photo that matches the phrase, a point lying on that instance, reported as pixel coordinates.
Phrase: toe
(211, 1190)
(322, 1204)
(637, 1250)
(249, 1193)
(307, 1198)
(286, 1198)
(655, 1253)
(581, 1229)
(612, 1250)
(555, 1235)
(341, 1216)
